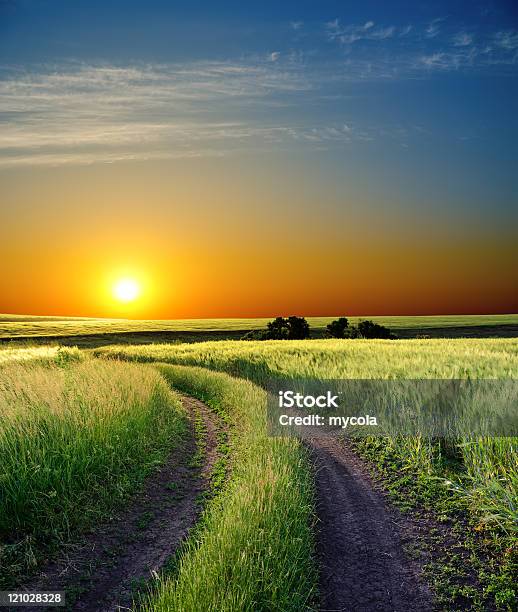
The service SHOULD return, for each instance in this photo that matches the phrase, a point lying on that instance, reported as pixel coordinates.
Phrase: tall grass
(253, 548)
(75, 437)
(488, 478)
(387, 359)
(10, 354)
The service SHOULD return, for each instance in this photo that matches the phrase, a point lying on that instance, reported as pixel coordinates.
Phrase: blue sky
(330, 73)
(155, 80)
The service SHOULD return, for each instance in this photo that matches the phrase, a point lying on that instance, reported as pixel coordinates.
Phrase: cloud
(507, 40)
(433, 28)
(106, 112)
(462, 39)
(383, 33)
(436, 60)
(347, 35)
(454, 60)
(296, 25)
(82, 113)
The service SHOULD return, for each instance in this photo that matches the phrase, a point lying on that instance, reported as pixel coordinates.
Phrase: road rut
(363, 564)
(102, 572)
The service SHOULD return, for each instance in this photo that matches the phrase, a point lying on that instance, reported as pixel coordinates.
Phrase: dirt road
(363, 565)
(104, 571)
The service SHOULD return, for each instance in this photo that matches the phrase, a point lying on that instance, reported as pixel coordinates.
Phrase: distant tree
(298, 328)
(291, 328)
(278, 329)
(337, 328)
(369, 329)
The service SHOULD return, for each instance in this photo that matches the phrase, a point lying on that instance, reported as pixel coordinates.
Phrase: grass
(77, 435)
(25, 326)
(476, 568)
(386, 359)
(253, 548)
(9, 354)
(477, 477)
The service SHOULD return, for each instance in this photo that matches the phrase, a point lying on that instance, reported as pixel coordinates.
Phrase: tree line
(297, 328)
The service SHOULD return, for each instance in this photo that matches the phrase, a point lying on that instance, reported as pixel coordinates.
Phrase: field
(75, 435)
(256, 545)
(20, 326)
(485, 476)
(103, 417)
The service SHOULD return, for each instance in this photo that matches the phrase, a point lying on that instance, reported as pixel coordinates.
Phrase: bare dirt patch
(360, 541)
(103, 572)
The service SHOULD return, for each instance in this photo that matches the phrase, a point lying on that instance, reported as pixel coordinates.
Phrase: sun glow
(126, 290)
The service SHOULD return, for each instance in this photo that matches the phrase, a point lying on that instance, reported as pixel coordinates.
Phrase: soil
(103, 572)
(360, 539)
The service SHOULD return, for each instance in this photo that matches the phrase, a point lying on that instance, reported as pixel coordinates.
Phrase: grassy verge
(469, 542)
(253, 548)
(76, 437)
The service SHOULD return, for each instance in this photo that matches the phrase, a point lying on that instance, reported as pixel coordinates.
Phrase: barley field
(80, 429)
(490, 479)
(25, 326)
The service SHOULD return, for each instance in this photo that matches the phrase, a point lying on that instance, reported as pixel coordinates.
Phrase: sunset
(360, 159)
(259, 305)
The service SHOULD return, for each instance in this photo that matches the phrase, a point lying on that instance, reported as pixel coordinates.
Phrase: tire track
(363, 565)
(102, 573)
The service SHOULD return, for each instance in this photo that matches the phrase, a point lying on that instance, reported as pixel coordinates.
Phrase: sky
(258, 159)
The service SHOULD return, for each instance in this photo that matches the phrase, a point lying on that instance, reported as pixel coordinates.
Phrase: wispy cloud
(81, 112)
(92, 113)
(435, 60)
(108, 111)
(432, 47)
(349, 34)
(507, 40)
(296, 25)
(434, 27)
(451, 60)
(462, 39)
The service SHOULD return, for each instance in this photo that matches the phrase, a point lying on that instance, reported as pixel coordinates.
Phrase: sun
(126, 290)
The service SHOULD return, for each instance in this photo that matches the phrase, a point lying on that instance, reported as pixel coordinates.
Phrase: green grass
(480, 476)
(76, 437)
(26, 326)
(253, 548)
(387, 359)
(9, 354)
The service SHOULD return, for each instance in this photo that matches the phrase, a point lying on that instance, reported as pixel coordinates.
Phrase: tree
(298, 328)
(369, 329)
(337, 328)
(278, 329)
(291, 328)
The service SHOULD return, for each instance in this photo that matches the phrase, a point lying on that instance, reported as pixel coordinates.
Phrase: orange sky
(210, 247)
